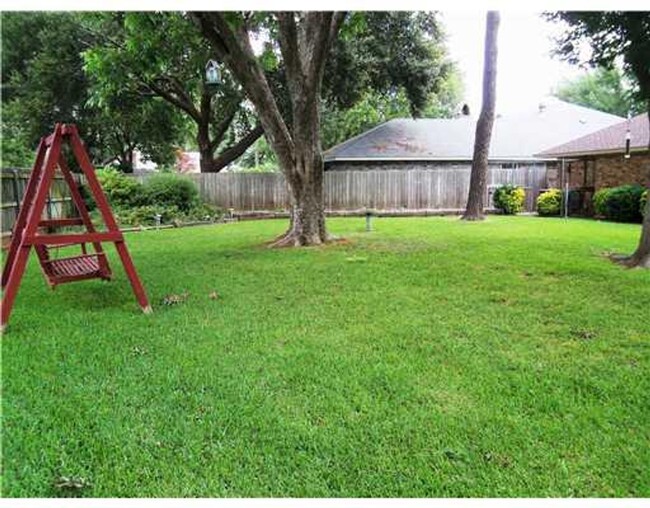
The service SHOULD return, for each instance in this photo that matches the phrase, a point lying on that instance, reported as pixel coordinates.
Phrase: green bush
(170, 190)
(175, 198)
(509, 199)
(620, 204)
(121, 190)
(600, 202)
(549, 203)
(202, 212)
(145, 215)
(642, 203)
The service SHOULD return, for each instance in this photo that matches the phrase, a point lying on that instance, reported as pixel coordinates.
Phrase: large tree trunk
(478, 179)
(126, 164)
(206, 159)
(305, 40)
(641, 256)
(305, 175)
(307, 222)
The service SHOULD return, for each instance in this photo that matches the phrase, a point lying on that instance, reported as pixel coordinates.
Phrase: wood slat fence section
(434, 190)
(14, 182)
(442, 189)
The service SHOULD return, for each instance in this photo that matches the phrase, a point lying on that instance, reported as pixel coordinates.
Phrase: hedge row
(625, 203)
(621, 204)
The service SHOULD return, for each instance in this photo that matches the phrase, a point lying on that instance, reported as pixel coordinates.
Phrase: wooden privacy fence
(442, 189)
(14, 182)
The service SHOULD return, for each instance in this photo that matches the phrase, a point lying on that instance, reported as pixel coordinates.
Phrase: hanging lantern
(628, 137)
(212, 73)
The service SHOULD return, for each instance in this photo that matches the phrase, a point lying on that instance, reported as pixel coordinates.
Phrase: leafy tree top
(612, 36)
(603, 89)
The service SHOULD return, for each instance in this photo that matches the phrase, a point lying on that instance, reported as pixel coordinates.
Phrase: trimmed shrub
(203, 212)
(620, 204)
(600, 202)
(146, 215)
(509, 199)
(549, 203)
(121, 190)
(171, 190)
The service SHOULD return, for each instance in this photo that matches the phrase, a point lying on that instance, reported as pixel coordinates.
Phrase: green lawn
(430, 357)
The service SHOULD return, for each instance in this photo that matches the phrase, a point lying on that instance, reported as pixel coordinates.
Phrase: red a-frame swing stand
(26, 229)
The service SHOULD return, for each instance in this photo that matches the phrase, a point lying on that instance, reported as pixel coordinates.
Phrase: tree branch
(232, 46)
(235, 151)
(221, 128)
(289, 47)
(180, 90)
(188, 107)
(323, 34)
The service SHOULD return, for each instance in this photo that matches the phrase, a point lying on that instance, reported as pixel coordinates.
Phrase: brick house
(598, 160)
(407, 145)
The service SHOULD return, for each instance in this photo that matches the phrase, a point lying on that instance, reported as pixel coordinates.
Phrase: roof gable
(518, 136)
(609, 139)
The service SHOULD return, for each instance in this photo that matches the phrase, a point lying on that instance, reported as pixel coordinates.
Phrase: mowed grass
(429, 357)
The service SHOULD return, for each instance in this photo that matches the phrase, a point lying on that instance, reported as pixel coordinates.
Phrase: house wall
(603, 171)
(589, 174)
(615, 170)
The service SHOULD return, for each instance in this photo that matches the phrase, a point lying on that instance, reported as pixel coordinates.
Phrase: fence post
(17, 199)
(49, 205)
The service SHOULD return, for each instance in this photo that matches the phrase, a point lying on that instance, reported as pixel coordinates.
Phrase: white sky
(526, 72)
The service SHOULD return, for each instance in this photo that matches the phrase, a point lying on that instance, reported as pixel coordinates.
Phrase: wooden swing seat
(74, 268)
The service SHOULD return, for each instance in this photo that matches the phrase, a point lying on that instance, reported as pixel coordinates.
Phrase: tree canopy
(387, 65)
(164, 55)
(386, 52)
(610, 37)
(135, 81)
(44, 82)
(607, 90)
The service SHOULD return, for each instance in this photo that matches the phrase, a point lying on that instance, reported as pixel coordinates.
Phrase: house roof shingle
(516, 137)
(607, 140)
